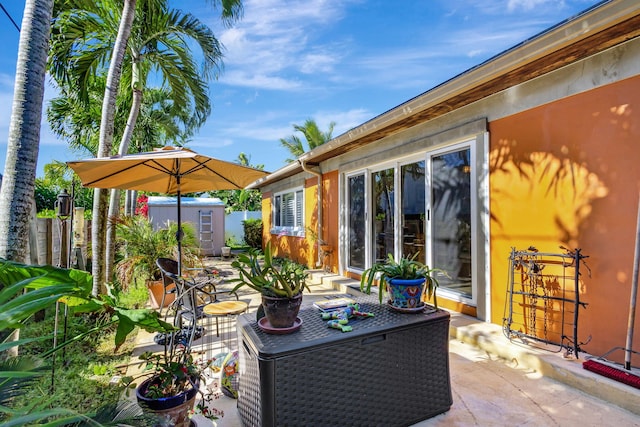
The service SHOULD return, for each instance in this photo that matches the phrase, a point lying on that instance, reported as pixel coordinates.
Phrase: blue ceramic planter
(174, 409)
(404, 293)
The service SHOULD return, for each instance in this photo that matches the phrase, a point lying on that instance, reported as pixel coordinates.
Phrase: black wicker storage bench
(391, 370)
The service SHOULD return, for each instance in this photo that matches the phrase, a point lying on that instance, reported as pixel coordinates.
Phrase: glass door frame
(367, 223)
(474, 135)
(465, 145)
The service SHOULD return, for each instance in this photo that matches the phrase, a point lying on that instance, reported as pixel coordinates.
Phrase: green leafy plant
(139, 245)
(403, 268)
(262, 273)
(173, 372)
(27, 289)
(253, 232)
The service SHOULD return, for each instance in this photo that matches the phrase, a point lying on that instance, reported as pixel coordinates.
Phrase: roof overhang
(605, 25)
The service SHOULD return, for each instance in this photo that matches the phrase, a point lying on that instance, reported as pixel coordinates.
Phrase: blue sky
(342, 61)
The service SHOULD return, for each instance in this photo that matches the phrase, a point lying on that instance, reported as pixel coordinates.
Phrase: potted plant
(173, 380)
(171, 386)
(225, 251)
(280, 283)
(406, 279)
(139, 246)
(28, 289)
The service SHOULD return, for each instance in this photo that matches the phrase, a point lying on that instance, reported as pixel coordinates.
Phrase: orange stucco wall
(330, 217)
(304, 250)
(292, 247)
(568, 173)
(266, 217)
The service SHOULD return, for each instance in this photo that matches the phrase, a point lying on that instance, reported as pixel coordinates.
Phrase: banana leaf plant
(27, 289)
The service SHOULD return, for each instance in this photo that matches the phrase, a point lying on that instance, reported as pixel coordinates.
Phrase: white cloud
(527, 5)
(6, 100)
(345, 120)
(275, 40)
(317, 63)
(208, 142)
(259, 130)
(6, 81)
(259, 80)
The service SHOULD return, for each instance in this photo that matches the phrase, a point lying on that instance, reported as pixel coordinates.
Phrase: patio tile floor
(494, 382)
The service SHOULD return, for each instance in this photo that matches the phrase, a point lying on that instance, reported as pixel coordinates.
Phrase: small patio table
(391, 370)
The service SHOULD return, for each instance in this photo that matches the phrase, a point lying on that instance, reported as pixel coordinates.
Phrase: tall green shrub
(253, 232)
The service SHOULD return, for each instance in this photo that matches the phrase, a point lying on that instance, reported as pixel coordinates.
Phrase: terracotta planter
(405, 293)
(156, 289)
(281, 312)
(173, 409)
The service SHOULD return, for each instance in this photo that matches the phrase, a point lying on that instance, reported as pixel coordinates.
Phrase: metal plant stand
(543, 298)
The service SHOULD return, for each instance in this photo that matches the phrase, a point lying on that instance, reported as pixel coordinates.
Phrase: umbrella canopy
(170, 170)
(166, 170)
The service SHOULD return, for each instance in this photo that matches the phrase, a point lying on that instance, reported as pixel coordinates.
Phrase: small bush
(253, 232)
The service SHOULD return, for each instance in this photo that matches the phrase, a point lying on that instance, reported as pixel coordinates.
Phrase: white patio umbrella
(170, 170)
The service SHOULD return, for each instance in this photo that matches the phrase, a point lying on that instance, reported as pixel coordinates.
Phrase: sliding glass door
(450, 227)
(356, 219)
(383, 235)
(419, 207)
(413, 210)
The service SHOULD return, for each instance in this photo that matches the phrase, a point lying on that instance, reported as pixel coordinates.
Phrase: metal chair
(167, 265)
(192, 295)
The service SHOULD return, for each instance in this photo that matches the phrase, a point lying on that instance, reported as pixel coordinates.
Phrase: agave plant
(263, 274)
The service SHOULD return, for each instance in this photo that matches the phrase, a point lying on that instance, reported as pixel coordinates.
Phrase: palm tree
(159, 42)
(75, 118)
(17, 193)
(313, 135)
(231, 10)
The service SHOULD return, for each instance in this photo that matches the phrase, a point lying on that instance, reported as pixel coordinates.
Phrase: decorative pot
(225, 251)
(156, 289)
(281, 312)
(405, 293)
(173, 409)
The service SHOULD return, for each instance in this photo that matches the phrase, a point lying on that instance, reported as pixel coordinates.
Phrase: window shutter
(299, 210)
(277, 221)
(288, 202)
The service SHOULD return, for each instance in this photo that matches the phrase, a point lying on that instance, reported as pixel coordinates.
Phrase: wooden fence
(70, 251)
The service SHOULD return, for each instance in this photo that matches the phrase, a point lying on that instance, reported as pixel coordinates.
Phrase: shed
(206, 214)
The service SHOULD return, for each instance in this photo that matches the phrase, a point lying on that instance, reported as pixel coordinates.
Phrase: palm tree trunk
(16, 195)
(100, 212)
(114, 202)
(130, 203)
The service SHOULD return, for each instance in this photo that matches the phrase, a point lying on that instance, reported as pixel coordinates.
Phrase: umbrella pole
(179, 233)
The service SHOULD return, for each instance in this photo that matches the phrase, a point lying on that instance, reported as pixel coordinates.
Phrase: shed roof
(184, 201)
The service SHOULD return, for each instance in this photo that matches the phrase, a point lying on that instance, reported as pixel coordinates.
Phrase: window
(288, 213)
